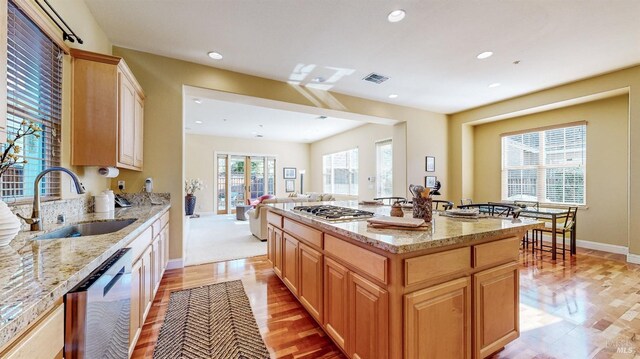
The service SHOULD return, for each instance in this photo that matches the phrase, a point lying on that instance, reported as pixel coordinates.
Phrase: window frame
(378, 145)
(541, 168)
(349, 168)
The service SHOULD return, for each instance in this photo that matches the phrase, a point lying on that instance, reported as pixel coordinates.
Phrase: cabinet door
(271, 243)
(310, 289)
(137, 294)
(336, 289)
(165, 231)
(368, 319)
(147, 270)
(126, 120)
(138, 132)
(290, 263)
(438, 321)
(496, 299)
(156, 263)
(277, 239)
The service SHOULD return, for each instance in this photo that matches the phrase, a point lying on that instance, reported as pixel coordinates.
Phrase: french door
(241, 177)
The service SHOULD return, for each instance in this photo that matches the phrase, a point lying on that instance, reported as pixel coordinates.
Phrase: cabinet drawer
(43, 340)
(433, 266)
(140, 244)
(157, 227)
(274, 219)
(164, 220)
(370, 263)
(502, 251)
(312, 236)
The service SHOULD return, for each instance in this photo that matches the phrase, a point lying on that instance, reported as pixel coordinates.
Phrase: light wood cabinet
(368, 319)
(137, 304)
(438, 321)
(147, 280)
(277, 247)
(45, 340)
(156, 257)
(290, 263)
(271, 250)
(336, 289)
(107, 112)
(165, 244)
(496, 318)
(310, 288)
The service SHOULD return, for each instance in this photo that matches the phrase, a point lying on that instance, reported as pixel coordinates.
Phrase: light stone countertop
(445, 231)
(36, 273)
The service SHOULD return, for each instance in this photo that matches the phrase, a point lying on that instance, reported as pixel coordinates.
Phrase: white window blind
(34, 93)
(384, 169)
(547, 166)
(340, 172)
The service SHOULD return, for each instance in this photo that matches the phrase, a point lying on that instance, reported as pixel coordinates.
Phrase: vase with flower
(11, 157)
(191, 186)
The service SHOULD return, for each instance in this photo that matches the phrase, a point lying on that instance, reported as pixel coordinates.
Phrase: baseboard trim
(175, 264)
(605, 247)
(633, 258)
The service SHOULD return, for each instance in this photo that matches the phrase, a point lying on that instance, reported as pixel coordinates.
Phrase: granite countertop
(37, 273)
(444, 231)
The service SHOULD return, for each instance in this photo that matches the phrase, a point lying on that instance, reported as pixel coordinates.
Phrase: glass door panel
(222, 185)
(237, 181)
(257, 177)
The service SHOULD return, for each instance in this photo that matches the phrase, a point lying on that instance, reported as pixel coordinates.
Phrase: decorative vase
(422, 208)
(189, 204)
(9, 224)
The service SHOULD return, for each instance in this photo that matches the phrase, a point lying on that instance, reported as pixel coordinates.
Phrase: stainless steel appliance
(333, 213)
(97, 312)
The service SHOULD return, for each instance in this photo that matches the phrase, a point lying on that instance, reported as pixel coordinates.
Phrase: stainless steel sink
(88, 229)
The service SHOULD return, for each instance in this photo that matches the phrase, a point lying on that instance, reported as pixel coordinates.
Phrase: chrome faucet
(35, 221)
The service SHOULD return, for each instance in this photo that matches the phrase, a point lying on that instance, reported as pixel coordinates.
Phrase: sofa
(258, 215)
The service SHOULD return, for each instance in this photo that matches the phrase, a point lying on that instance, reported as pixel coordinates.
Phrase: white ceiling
(231, 119)
(430, 56)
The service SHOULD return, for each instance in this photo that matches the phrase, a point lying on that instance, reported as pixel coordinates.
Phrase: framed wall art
(430, 181)
(289, 185)
(430, 164)
(289, 173)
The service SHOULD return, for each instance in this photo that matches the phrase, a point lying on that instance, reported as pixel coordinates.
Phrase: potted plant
(10, 156)
(191, 186)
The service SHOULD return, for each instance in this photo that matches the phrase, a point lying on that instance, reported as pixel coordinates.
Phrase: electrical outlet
(121, 185)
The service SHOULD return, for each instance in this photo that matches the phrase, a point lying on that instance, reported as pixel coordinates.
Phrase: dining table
(552, 215)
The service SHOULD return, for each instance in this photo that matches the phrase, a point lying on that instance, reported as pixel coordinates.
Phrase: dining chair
(568, 226)
(442, 205)
(390, 200)
(466, 201)
(495, 209)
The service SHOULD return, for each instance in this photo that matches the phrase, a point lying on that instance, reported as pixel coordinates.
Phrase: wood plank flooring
(585, 307)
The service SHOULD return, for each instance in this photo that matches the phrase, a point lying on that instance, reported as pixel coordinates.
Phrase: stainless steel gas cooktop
(333, 213)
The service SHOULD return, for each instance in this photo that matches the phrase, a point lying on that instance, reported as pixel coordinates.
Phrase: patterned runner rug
(210, 322)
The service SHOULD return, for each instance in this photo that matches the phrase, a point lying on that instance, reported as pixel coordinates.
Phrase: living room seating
(258, 215)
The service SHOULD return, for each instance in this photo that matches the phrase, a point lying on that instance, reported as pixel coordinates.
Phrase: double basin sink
(87, 229)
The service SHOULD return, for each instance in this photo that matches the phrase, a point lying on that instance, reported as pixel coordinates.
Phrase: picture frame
(430, 164)
(430, 181)
(289, 173)
(289, 185)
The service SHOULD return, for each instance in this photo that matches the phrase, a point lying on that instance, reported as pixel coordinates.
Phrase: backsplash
(80, 205)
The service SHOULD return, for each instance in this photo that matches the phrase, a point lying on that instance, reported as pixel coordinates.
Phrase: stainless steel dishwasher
(97, 312)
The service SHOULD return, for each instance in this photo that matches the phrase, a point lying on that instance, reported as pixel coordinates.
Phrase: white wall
(364, 138)
(200, 153)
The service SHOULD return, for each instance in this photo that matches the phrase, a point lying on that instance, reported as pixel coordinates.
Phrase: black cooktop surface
(333, 212)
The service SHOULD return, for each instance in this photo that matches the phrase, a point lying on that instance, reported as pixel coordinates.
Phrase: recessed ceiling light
(321, 117)
(260, 126)
(396, 15)
(215, 55)
(393, 95)
(484, 55)
(198, 122)
(259, 136)
(319, 79)
(495, 84)
(197, 100)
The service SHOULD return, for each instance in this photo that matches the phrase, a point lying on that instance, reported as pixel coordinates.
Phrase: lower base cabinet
(310, 288)
(336, 287)
(438, 321)
(496, 298)
(290, 263)
(44, 340)
(368, 319)
(137, 304)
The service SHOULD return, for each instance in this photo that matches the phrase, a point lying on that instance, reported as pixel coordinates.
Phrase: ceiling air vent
(375, 78)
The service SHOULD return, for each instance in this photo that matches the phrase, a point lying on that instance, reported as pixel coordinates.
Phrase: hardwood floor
(587, 306)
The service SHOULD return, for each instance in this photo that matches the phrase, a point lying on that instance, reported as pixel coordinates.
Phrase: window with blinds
(340, 172)
(384, 168)
(34, 93)
(547, 166)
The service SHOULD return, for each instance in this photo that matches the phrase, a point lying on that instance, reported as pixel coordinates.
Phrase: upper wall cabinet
(107, 112)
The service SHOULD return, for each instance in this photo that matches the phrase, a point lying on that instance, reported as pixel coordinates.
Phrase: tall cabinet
(107, 117)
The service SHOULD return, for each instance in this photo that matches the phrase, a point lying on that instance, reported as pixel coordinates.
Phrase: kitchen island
(451, 291)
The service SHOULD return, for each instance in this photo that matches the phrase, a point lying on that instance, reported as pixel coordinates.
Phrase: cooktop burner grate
(333, 213)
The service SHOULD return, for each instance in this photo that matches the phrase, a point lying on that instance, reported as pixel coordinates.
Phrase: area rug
(216, 238)
(210, 322)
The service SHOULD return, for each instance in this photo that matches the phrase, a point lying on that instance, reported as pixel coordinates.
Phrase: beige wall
(605, 219)
(162, 79)
(460, 150)
(80, 19)
(363, 138)
(200, 161)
